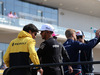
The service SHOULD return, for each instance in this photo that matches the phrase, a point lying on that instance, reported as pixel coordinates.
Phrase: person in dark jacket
(51, 51)
(86, 55)
(21, 50)
(73, 48)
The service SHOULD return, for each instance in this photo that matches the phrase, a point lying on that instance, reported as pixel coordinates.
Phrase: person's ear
(83, 36)
(72, 35)
(30, 32)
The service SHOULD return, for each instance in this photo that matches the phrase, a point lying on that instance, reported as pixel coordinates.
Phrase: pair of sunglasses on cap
(78, 37)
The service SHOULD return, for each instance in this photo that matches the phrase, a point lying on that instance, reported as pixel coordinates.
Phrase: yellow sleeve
(33, 54)
(6, 56)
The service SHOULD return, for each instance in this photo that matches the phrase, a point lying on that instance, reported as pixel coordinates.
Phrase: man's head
(46, 31)
(14, 13)
(31, 29)
(70, 34)
(80, 36)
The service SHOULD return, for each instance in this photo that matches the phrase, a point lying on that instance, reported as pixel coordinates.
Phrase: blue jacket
(73, 48)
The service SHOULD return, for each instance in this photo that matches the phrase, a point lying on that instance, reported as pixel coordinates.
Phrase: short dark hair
(31, 27)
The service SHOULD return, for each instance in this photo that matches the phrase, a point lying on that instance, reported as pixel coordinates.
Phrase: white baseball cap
(79, 33)
(47, 27)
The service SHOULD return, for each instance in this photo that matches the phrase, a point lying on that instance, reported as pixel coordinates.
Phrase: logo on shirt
(42, 46)
(55, 46)
(12, 44)
(21, 43)
(47, 28)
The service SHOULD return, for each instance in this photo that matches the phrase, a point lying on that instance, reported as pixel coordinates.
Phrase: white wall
(77, 21)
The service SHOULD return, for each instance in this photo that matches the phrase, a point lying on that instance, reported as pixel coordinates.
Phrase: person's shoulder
(49, 41)
(13, 40)
(70, 41)
(28, 38)
(43, 43)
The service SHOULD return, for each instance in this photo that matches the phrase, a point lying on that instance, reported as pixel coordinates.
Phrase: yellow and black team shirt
(20, 50)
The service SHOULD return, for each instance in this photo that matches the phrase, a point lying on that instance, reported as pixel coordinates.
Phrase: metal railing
(54, 64)
(37, 18)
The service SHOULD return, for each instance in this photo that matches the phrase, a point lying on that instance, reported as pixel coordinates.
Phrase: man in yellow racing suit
(21, 50)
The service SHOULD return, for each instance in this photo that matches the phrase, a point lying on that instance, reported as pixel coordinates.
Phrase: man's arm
(65, 54)
(85, 46)
(6, 57)
(66, 58)
(96, 43)
(33, 54)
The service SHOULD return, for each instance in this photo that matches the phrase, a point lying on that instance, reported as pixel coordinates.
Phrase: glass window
(6, 46)
(9, 7)
(33, 6)
(18, 9)
(36, 49)
(10, 1)
(25, 4)
(2, 46)
(39, 13)
(1, 55)
(48, 10)
(54, 16)
(2, 0)
(25, 10)
(47, 15)
(17, 2)
(33, 9)
(41, 8)
(33, 12)
(1, 8)
(55, 11)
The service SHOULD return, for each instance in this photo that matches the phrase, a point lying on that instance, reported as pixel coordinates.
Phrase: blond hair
(69, 32)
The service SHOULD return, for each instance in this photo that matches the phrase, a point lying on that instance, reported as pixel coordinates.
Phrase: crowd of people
(21, 51)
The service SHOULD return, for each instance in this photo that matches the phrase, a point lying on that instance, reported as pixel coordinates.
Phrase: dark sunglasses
(35, 34)
(79, 37)
(42, 32)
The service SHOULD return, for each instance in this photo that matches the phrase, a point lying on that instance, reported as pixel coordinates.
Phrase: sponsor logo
(55, 46)
(21, 43)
